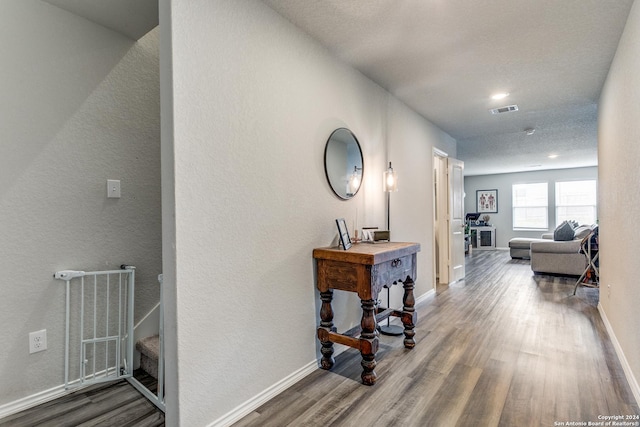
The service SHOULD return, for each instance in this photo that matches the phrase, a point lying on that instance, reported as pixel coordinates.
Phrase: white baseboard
(268, 394)
(633, 382)
(250, 405)
(33, 400)
(425, 296)
(226, 420)
(49, 395)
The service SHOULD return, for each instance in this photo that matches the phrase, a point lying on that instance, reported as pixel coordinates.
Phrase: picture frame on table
(487, 201)
(343, 233)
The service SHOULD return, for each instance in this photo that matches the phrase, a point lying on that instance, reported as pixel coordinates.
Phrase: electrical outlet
(37, 341)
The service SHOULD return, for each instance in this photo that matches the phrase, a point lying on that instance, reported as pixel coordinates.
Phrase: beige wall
(619, 185)
(253, 103)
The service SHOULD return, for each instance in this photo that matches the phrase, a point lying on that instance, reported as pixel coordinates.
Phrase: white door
(455, 170)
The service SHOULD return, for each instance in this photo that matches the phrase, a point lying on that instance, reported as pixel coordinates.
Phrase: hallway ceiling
(445, 58)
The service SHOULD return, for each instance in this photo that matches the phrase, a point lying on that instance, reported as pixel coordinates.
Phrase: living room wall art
(487, 201)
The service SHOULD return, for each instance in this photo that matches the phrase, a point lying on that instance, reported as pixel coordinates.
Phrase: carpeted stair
(149, 349)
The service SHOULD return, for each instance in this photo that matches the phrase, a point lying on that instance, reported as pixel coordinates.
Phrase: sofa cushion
(556, 247)
(564, 232)
(572, 264)
(522, 242)
(582, 231)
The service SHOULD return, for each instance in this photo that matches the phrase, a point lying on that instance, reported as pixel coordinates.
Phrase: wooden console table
(365, 269)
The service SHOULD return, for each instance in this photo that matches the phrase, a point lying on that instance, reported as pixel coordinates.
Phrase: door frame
(440, 214)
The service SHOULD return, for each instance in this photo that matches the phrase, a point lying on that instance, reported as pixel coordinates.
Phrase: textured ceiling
(444, 58)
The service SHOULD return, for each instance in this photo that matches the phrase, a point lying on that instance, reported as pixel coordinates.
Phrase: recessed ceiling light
(500, 95)
(552, 156)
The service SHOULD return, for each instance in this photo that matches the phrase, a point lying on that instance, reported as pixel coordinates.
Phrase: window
(576, 200)
(530, 206)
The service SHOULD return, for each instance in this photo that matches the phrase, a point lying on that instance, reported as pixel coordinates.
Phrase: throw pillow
(559, 225)
(582, 232)
(564, 232)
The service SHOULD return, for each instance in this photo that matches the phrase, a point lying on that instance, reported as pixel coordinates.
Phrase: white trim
(45, 396)
(245, 409)
(33, 400)
(227, 419)
(633, 383)
(250, 405)
(424, 297)
(146, 317)
(439, 153)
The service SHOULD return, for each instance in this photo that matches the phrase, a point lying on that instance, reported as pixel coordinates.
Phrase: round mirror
(343, 163)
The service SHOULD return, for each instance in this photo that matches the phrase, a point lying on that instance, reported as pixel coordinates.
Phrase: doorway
(448, 202)
(441, 243)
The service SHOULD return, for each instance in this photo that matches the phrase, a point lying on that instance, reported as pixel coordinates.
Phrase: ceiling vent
(507, 109)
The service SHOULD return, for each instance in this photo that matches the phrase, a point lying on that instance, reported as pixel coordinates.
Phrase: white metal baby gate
(98, 325)
(99, 338)
(157, 398)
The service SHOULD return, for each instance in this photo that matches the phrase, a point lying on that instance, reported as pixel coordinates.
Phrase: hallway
(501, 348)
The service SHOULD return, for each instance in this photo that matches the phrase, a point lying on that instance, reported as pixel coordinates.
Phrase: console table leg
(409, 313)
(326, 323)
(368, 343)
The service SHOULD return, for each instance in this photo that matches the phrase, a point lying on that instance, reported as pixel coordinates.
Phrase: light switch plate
(113, 188)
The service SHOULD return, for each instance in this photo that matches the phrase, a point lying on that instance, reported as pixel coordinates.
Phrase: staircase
(149, 349)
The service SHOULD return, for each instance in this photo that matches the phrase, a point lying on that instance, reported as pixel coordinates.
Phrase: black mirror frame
(326, 172)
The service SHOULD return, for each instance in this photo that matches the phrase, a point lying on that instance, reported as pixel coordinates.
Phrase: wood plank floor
(501, 348)
(116, 404)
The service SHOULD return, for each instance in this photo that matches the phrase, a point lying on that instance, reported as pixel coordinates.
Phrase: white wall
(412, 212)
(253, 103)
(619, 175)
(503, 220)
(80, 104)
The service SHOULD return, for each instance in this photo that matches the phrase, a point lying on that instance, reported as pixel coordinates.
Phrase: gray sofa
(553, 256)
(520, 247)
(550, 256)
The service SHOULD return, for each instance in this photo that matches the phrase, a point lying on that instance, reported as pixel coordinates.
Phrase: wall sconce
(354, 180)
(389, 180)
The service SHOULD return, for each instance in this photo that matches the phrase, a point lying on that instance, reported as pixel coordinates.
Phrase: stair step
(149, 346)
(149, 349)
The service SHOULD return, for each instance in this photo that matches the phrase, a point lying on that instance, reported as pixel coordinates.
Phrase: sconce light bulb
(390, 179)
